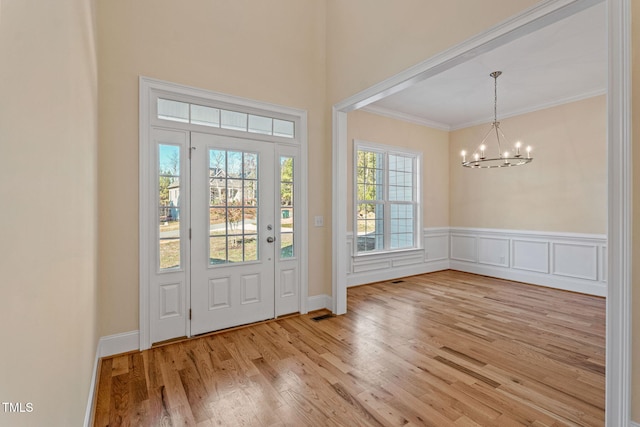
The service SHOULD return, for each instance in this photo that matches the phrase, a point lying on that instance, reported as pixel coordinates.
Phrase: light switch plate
(319, 221)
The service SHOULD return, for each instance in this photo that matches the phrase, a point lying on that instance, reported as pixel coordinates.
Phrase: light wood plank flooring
(440, 349)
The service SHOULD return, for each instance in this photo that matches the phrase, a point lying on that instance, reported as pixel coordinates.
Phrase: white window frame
(386, 150)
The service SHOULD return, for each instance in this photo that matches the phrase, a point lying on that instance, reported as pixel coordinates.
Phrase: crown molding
(410, 118)
(531, 109)
(423, 121)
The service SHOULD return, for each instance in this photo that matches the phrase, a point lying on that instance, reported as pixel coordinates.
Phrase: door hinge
(189, 234)
(189, 314)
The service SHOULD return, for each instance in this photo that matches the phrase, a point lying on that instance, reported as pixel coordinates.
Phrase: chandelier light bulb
(528, 152)
(482, 148)
(518, 145)
(464, 156)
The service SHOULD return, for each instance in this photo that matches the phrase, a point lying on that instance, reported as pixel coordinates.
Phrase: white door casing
(165, 293)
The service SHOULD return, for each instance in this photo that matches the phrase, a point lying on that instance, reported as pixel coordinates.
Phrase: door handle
(271, 239)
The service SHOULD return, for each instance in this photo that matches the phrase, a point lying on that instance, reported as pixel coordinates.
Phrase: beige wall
(269, 51)
(434, 144)
(564, 189)
(635, 325)
(48, 146)
(307, 54)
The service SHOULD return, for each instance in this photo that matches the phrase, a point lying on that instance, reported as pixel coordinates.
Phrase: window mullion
(387, 206)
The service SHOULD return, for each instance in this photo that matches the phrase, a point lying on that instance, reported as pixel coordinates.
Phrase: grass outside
(240, 248)
(170, 250)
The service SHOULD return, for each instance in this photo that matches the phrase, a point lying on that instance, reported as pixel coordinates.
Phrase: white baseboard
(634, 424)
(109, 346)
(119, 343)
(319, 302)
(92, 390)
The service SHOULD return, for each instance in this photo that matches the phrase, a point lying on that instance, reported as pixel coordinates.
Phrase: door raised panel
(288, 284)
(219, 293)
(170, 300)
(251, 289)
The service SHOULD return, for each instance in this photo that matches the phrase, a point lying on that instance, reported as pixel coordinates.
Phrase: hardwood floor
(440, 349)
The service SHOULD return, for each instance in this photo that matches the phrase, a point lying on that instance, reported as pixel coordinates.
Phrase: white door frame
(149, 89)
(618, 360)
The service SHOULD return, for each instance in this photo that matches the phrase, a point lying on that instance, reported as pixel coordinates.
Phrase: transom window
(185, 112)
(386, 198)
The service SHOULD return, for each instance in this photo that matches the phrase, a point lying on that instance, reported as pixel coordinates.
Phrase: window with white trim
(185, 112)
(387, 202)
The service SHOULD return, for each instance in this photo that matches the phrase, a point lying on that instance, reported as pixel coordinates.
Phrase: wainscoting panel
(570, 261)
(463, 248)
(369, 268)
(602, 263)
(493, 251)
(436, 245)
(531, 255)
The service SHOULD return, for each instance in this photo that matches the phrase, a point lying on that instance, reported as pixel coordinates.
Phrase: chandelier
(498, 158)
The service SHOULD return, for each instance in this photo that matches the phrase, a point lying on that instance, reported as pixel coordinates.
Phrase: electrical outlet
(319, 221)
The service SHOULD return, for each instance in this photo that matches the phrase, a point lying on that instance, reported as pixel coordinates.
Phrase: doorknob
(271, 239)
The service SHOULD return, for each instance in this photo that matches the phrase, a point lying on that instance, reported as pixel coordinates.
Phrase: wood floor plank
(439, 349)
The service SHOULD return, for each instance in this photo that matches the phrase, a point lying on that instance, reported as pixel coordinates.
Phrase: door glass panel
(233, 195)
(234, 164)
(169, 206)
(287, 244)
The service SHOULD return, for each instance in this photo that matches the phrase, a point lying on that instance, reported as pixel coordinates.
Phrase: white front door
(233, 232)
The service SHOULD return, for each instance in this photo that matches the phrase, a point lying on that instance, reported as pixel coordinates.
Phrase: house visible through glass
(287, 206)
(233, 206)
(169, 206)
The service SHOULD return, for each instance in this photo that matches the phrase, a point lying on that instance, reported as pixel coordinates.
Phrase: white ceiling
(562, 62)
